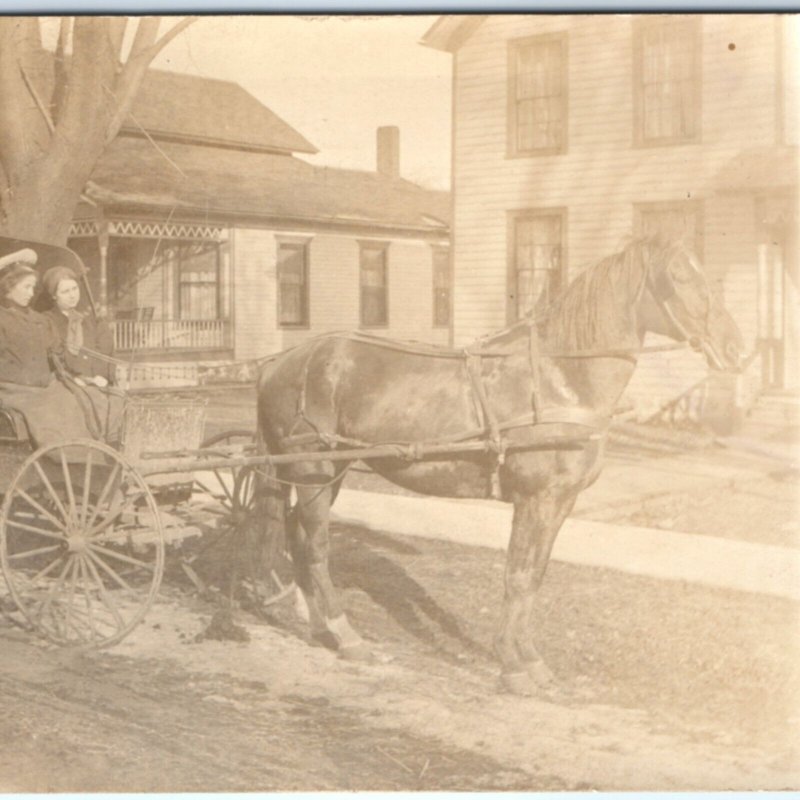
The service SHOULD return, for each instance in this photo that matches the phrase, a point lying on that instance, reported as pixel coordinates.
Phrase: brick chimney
(389, 151)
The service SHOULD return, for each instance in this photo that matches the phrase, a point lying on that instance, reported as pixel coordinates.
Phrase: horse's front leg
(310, 552)
(537, 520)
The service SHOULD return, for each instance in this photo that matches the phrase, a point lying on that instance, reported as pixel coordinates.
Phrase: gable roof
(450, 31)
(132, 174)
(172, 106)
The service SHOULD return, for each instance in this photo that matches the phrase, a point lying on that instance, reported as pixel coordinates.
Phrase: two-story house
(572, 132)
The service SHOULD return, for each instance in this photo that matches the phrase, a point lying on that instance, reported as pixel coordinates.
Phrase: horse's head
(678, 302)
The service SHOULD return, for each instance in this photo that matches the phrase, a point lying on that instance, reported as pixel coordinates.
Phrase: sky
(336, 80)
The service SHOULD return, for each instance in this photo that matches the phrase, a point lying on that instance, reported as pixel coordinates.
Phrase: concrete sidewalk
(668, 555)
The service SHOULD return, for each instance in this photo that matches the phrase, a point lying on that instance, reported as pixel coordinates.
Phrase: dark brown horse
(348, 387)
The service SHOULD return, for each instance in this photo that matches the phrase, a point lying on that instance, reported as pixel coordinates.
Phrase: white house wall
(334, 290)
(602, 174)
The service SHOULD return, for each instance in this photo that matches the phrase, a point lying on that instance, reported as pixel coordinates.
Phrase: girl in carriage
(57, 408)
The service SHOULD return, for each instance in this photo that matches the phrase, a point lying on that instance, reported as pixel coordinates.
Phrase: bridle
(662, 289)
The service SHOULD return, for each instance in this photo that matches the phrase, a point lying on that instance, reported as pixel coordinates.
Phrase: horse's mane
(596, 309)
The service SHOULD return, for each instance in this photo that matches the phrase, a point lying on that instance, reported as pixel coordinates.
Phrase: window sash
(373, 285)
(668, 81)
(539, 94)
(538, 261)
(198, 279)
(292, 273)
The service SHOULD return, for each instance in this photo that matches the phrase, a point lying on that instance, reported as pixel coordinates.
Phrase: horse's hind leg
(535, 526)
(311, 551)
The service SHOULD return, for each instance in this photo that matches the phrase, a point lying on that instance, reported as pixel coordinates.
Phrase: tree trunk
(49, 145)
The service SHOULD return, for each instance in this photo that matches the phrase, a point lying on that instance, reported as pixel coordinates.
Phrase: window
(441, 287)
(292, 273)
(536, 260)
(666, 80)
(681, 221)
(197, 267)
(537, 95)
(374, 285)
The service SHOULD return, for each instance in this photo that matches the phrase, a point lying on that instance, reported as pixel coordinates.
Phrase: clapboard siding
(334, 290)
(602, 175)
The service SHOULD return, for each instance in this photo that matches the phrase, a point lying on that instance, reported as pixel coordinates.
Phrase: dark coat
(26, 338)
(96, 336)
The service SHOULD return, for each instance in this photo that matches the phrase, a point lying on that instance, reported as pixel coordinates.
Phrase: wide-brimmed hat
(24, 256)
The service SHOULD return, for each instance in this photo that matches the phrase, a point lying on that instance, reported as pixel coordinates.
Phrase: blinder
(661, 286)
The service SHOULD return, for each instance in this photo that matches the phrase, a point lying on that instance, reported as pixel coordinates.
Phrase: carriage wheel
(81, 544)
(233, 488)
(219, 483)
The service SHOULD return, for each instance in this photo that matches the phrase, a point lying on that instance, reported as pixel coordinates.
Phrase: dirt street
(706, 698)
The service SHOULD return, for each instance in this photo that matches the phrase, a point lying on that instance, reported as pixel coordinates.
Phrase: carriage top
(49, 255)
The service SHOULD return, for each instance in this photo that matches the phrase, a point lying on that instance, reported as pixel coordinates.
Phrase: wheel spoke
(37, 552)
(110, 572)
(61, 525)
(33, 529)
(107, 599)
(56, 587)
(45, 480)
(112, 476)
(213, 494)
(68, 483)
(115, 513)
(87, 483)
(224, 487)
(96, 548)
(46, 571)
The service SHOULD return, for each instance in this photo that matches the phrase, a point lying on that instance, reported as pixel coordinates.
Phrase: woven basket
(158, 424)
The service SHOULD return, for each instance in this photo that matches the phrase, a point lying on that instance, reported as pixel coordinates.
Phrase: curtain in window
(537, 261)
(373, 286)
(539, 74)
(668, 81)
(198, 273)
(292, 284)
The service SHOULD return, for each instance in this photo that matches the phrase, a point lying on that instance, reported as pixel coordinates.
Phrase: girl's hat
(24, 256)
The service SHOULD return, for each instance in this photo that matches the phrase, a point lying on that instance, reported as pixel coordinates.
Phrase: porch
(164, 287)
(165, 336)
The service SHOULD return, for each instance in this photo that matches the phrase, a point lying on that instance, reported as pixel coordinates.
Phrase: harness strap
(486, 418)
(536, 378)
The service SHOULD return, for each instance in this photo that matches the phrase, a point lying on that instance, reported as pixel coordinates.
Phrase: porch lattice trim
(138, 229)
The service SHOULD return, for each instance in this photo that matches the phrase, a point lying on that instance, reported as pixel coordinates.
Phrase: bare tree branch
(144, 49)
(61, 73)
(117, 26)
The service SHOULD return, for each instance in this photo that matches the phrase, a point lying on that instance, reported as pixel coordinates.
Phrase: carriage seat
(13, 427)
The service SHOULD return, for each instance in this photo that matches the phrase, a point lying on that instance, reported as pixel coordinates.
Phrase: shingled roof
(176, 107)
(172, 106)
(236, 184)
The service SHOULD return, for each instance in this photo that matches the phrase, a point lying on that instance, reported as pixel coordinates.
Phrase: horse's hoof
(324, 639)
(357, 652)
(518, 683)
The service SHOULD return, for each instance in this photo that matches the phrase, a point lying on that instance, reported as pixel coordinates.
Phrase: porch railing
(171, 334)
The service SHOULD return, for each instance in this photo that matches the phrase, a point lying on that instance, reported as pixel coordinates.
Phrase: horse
(562, 371)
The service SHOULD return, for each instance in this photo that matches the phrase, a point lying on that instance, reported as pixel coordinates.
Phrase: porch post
(102, 239)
